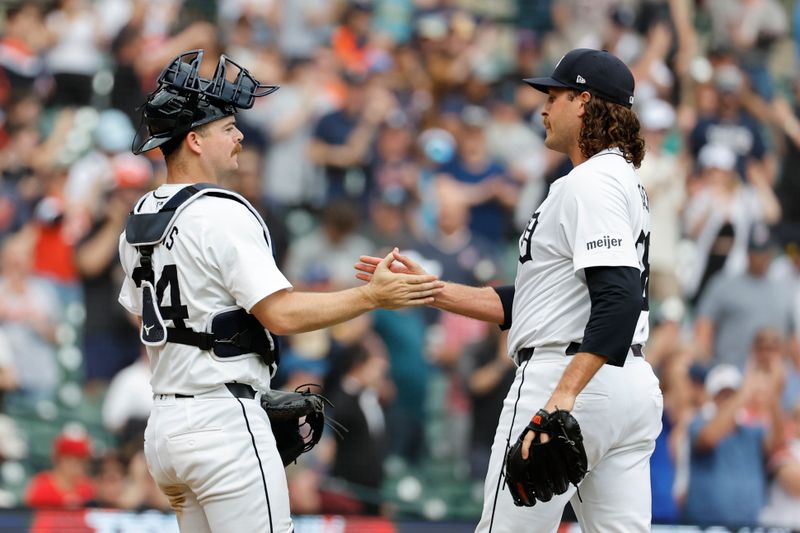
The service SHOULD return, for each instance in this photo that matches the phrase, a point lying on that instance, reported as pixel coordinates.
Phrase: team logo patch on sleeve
(606, 242)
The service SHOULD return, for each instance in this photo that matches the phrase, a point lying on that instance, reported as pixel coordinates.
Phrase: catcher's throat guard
(231, 333)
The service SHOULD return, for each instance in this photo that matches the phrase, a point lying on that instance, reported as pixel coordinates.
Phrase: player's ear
(584, 98)
(193, 142)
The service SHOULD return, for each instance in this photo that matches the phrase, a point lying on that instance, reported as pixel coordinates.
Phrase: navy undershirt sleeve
(616, 295)
(506, 294)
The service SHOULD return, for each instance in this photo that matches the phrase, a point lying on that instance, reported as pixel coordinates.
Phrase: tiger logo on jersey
(525, 239)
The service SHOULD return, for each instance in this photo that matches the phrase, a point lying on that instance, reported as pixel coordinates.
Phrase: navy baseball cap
(596, 71)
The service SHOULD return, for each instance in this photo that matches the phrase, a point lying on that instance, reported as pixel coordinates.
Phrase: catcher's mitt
(289, 413)
(551, 466)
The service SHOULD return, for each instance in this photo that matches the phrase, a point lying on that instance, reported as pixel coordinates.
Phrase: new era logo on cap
(580, 79)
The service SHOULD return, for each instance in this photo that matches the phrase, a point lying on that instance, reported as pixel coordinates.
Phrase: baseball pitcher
(580, 421)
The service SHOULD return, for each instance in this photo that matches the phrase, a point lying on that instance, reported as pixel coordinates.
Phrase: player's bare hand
(401, 265)
(528, 441)
(561, 401)
(392, 290)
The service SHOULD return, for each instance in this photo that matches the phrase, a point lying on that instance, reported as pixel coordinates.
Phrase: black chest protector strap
(233, 331)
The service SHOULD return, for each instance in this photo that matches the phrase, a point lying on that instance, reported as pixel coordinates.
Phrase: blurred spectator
(454, 251)
(721, 217)
(486, 187)
(730, 125)
(776, 353)
(727, 479)
(140, 491)
(342, 140)
(750, 28)
(389, 212)
(304, 490)
(129, 396)
(436, 146)
(404, 332)
(621, 36)
(23, 38)
(516, 146)
(788, 186)
(735, 307)
(488, 372)
(289, 178)
(12, 444)
(786, 266)
(654, 79)
(783, 502)
(334, 246)
(393, 18)
(74, 54)
(91, 176)
(393, 167)
(128, 91)
(356, 399)
(668, 456)
(67, 485)
(57, 229)
(29, 314)
(110, 337)
(350, 41)
(303, 26)
(20, 184)
(108, 474)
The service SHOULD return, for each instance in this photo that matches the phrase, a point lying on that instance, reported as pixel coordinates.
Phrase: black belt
(239, 390)
(525, 353)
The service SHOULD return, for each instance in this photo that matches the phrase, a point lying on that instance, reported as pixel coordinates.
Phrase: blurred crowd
(405, 123)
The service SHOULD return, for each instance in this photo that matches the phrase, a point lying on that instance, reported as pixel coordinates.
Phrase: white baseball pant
(215, 457)
(619, 412)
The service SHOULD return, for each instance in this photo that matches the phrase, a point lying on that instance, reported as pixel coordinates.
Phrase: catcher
(200, 275)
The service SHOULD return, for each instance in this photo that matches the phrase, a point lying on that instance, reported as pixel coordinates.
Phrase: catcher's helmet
(184, 100)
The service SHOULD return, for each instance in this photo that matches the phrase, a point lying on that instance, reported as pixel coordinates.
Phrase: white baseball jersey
(597, 215)
(214, 257)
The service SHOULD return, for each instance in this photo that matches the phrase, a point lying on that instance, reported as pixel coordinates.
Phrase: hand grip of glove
(551, 466)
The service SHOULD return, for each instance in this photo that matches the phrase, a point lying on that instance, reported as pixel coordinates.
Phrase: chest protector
(232, 331)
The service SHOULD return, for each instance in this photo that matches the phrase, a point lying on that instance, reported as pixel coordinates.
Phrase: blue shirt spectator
(727, 472)
(727, 485)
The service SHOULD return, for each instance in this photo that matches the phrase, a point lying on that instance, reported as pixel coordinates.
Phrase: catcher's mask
(184, 100)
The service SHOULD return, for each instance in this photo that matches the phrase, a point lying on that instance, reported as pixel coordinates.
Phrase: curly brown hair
(608, 125)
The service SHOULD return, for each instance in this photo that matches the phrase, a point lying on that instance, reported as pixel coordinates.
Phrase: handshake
(396, 281)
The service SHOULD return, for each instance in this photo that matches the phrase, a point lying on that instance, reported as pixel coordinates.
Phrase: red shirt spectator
(67, 485)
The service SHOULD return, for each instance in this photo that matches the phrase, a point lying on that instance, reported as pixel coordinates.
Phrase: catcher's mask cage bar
(241, 92)
(181, 78)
